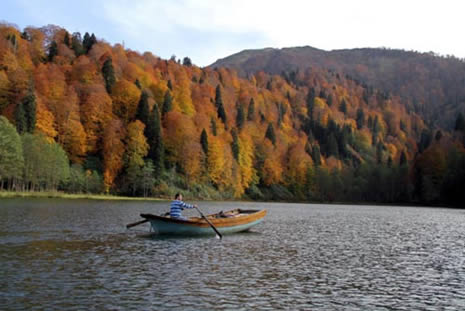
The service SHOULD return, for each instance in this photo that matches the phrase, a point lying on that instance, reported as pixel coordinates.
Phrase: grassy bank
(62, 195)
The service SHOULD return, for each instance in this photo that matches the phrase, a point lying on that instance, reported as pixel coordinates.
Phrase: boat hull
(197, 226)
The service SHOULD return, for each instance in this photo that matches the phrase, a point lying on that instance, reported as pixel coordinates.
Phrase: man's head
(178, 196)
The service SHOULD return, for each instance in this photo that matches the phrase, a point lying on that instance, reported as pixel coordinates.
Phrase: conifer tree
(52, 51)
(270, 133)
(251, 110)
(235, 144)
(204, 141)
(153, 132)
(460, 123)
(240, 117)
(29, 105)
(76, 44)
(66, 40)
(360, 118)
(20, 119)
(143, 108)
(316, 156)
(167, 103)
(213, 126)
(310, 103)
(108, 75)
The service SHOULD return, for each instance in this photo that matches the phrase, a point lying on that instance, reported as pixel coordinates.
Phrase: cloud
(206, 30)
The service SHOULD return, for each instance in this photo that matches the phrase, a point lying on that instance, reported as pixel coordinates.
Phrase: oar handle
(218, 234)
(136, 223)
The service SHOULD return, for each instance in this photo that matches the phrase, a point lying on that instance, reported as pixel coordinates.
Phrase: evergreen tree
(29, 106)
(204, 141)
(108, 75)
(52, 51)
(153, 132)
(270, 133)
(137, 83)
(360, 118)
(235, 144)
(213, 126)
(310, 103)
(240, 117)
(251, 110)
(66, 40)
(376, 126)
(329, 101)
(219, 104)
(187, 62)
(76, 44)
(438, 135)
(167, 103)
(88, 41)
(218, 96)
(316, 156)
(170, 85)
(143, 108)
(333, 146)
(20, 119)
(343, 107)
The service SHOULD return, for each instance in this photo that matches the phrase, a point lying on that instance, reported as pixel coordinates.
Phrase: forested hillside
(432, 85)
(81, 115)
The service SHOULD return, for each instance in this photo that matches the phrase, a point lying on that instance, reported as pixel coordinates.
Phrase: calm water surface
(77, 255)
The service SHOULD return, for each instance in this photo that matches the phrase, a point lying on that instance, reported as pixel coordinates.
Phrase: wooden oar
(136, 223)
(218, 234)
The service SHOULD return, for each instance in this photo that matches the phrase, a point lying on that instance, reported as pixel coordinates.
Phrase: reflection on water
(57, 254)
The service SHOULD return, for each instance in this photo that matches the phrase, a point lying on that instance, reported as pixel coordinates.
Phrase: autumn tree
(113, 151)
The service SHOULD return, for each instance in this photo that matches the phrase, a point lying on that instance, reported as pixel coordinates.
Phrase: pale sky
(207, 30)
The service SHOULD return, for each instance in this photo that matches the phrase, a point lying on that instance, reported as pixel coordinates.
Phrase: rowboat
(236, 220)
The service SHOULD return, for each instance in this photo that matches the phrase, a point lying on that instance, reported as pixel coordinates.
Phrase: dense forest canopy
(431, 85)
(81, 115)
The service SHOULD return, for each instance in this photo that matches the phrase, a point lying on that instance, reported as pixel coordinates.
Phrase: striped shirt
(176, 207)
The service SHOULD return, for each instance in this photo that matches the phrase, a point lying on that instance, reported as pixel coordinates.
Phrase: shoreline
(62, 195)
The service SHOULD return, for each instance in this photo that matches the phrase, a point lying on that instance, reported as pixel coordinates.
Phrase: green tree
(52, 51)
(251, 110)
(167, 103)
(213, 126)
(187, 61)
(240, 117)
(143, 112)
(360, 118)
(316, 156)
(153, 132)
(204, 141)
(29, 104)
(310, 103)
(20, 118)
(66, 40)
(235, 144)
(343, 107)
(11, 152)
(108, 75)
(270, 133)
(76, 44)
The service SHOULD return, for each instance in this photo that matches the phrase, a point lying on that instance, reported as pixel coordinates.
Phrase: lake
(77, 255)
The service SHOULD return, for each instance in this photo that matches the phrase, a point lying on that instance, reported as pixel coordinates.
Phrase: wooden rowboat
(232, 221)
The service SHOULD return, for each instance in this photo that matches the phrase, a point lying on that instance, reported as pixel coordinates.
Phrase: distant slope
(436, 85)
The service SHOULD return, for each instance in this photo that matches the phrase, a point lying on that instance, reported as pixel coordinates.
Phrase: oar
(218, 234)
(136, 223)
